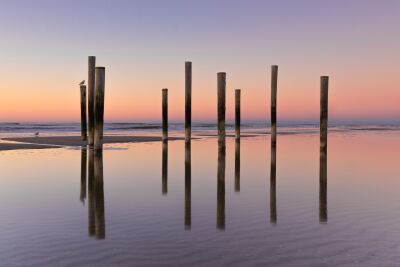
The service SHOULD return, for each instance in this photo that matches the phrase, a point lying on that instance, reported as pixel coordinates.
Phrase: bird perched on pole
(82, 82)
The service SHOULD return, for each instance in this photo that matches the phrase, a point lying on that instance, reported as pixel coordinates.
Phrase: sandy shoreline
(60, 141)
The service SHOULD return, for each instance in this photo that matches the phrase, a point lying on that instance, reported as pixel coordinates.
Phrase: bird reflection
(221, 186)
(237, 165)
(96, 194)
(188, 185)
(82, 196)
(273, 211)
(164, 187)
(323, 186)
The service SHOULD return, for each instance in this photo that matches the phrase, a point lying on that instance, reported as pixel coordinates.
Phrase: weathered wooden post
(165, 114)
(83, 173)
(237, 165)
(324, 113)
(99, 194)
(221, 187)
(188, 100)
(273, 211)
(164, 167)
(83, 113)
(237, 113)
(188, 185)
(99, 107)
(90, 87)
(221, 81)
(274, 86)
(323, 187)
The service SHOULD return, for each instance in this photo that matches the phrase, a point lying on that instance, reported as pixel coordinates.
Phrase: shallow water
(155, 204)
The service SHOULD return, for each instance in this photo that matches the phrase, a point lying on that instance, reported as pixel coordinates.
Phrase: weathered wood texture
(90, 88)
(324, 113)
(274, 87)
(237, 113)
(221, 81)
(83, 113)
(99, 107)
(188, 100)
(165, 114)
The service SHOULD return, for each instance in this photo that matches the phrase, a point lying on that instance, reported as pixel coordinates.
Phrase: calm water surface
(174, 204)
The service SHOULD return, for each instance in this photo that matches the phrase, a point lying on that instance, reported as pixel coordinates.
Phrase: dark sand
(14, 146)
(57, 141)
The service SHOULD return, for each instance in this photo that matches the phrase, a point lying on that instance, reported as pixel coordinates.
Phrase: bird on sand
(82, 82)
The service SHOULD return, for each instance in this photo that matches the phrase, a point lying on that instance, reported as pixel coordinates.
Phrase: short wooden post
(221, 187)
(188, 100)
(83, 113)
(237, 113)
(83, 173)
(323, 187)
(274, 86)
(324, 113)
(165, 114)
(99, 107)
(237, 165)
(273, 211)
(164, 167)
(221, 80)
(188, 185)
(90, 87)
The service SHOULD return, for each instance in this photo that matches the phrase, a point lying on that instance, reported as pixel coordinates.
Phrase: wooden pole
(188, 186)
(188, 100)
(274, 86)
(237, 165)
(164, 167)
(165, 114)
(237, 113)
(324, 113)
(83, 113)
(99, 107)
(91, 80)
(273, 211)
(323, 187)
(221, 81)
(221, 187)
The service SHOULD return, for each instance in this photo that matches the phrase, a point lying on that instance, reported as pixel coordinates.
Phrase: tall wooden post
(91, 78)
(99, 107)
(83, 113)
(324, 113)
(188, 100)
(237, 113)
(221, 80)
(165, 114)
(274, 86)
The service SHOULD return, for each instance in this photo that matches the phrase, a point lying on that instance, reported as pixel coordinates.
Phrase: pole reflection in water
(164, 187)
(96, 194)
(188, 185)
(82, 196)
(221, 186)
(237, 165)
(323, 186)
(273, 211)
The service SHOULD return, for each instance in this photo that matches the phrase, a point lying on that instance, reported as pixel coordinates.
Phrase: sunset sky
(144, 44)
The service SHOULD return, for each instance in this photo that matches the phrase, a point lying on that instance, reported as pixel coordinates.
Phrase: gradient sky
(144, 44)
